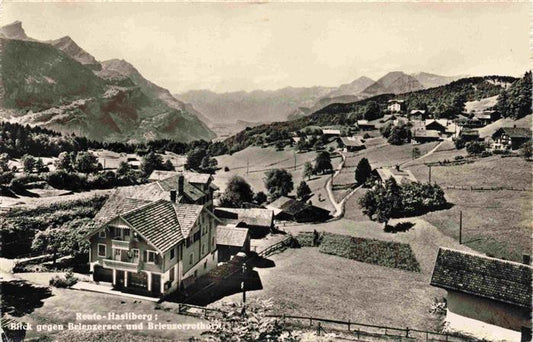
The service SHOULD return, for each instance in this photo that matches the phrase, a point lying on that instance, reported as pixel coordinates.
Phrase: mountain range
(58, 85)
(292, 103)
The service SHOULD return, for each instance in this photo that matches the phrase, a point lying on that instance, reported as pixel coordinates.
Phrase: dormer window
(102, 233)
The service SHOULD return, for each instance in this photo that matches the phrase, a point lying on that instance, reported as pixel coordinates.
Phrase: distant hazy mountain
(395, 82)
(58, 85)
(255, 106)
(432, 80)
(352, 88)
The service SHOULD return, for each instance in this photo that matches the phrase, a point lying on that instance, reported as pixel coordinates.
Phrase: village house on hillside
(399, 175)
(351, 144)
(507, 138)
(288, 209)
(152, 239)
(396, 106)
(487, 298)
(364, 125)
(418, 114)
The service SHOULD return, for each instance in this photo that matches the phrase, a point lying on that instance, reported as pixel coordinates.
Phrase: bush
(64, 282)
(226, 169)
(459, 158)
(475, 147)
(366, 136)
(485, 154)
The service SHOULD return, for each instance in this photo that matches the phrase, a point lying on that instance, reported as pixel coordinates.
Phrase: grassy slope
(495, 222)
(307, 282)
(262, 159)
(488, 130)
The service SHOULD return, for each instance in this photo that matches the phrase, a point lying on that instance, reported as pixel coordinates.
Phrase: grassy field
(495, 222)
(307, 282)
(260, 160)
(488, 130)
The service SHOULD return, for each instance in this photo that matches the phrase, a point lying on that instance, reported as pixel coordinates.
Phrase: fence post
(446, 337)
(310, 322)
(348, 325)
(427, 336)
(358, 333)
(318, 329)
(407, 332)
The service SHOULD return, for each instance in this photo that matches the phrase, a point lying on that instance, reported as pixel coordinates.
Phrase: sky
(242, 46)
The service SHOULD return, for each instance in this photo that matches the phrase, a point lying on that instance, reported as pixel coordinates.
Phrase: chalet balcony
(119, 243)
(123, 265)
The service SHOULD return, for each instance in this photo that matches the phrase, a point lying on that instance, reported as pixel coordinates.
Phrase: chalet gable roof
(478, 275)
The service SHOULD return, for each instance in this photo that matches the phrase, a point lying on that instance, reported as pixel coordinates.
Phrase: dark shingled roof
(500, 280)
(190, 190)
(157, 222)
(115, 205)
(514, 132)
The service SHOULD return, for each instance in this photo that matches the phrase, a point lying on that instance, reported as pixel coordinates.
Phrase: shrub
(475, 147)
(485, 154)
(377, 252)
(366, 136)
(64, 282)
(226, 169)
(459, 158)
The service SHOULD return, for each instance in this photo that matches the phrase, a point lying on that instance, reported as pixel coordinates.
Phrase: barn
(488, 298)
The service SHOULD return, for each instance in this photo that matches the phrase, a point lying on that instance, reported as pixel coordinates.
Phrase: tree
(260, 198)
(323, 162)
(475, 147)
(415, 153)
(527, 151)
(372, 111)
(86, 162)
(168, 165)
(308, 170)
(399, 135)
(64, 162)
(50, 241)
(4, 165)
(39, 165)
(151, 161)
(237, 192)
(382, 201)
(303, 190)
(208, 164)
(194, 158)
(363, 171)
(278, 183)
(124, 169)
(28, 163)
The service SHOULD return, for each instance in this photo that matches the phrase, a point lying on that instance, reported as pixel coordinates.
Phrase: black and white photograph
(266, 171)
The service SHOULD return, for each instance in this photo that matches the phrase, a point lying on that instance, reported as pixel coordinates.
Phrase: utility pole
(460, 227)
(243, 289)
(429, 166)
(247, 166)
(294, 152)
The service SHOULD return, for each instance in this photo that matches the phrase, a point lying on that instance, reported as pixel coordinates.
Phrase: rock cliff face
(58, 85)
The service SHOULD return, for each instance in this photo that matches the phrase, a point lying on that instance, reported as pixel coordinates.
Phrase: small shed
(232, 240)
(365, 125)
(288, 209)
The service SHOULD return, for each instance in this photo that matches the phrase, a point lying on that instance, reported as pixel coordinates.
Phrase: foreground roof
(292, 206)
(352, 141)
(401, 176)
(156, 222)
(231, 236)
(496, 279)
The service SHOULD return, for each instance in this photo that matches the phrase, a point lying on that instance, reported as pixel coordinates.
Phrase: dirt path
(424, 155)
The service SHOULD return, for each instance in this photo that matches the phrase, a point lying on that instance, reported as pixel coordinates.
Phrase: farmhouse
(400, 176)
(154, 238)
(331, 132)
(488, 298)
(259, 221)
(419, 114)
(395, 106)
(510, 138)
(364, 125)
(422, 136)
(232, 240)
(467, 134)
(288, 209)
(351, 144)
(487, 116)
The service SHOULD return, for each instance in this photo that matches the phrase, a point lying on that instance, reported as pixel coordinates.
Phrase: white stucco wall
(485, 318)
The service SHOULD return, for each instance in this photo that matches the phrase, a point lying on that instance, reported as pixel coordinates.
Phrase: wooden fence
(271, 249)
(363, 329)
(477, 188)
